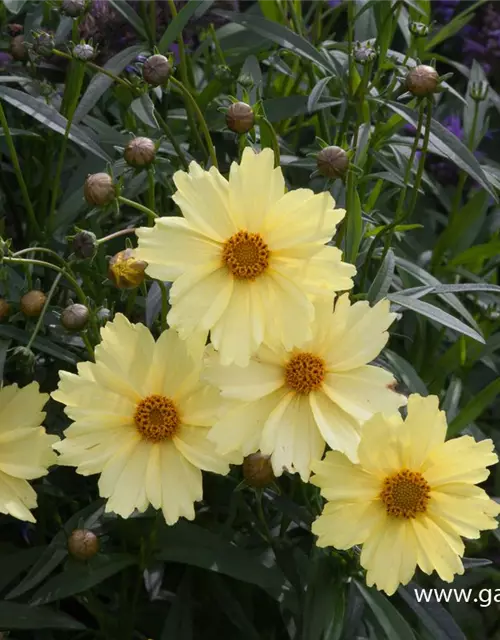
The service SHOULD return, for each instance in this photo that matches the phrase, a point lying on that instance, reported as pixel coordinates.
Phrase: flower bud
(73, 8)
(18, 48)
(99, 189)
(479, 91)
(103, 315)
(75, 317)
(83, 544)
(246, 80)
(4, 308)
(84, 245)
(332, 162)
(156, 70)
(32, 303)
(43, 43)
(125, 271)
(257, 470)
(223, 73)
(419, 29)
(240, 117)
(83, 52)
(24, 359)
(140, 152)
(364, 53)
(422, 81)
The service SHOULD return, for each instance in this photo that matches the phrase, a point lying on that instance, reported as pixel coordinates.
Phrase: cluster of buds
(43, 43)
(84, 52)
(364, 52)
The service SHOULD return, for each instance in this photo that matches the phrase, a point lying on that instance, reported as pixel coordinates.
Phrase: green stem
(194, 105)
(39, 250)
(79, 75)
(264, 123)
(95, 67)
(421, 164)
(140, 207)
(173, 140)
(182, 49)
(19, 174)
(218, 50)
(116, 234)
(45, 307)
(151, 193)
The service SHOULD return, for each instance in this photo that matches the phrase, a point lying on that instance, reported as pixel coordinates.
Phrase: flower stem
(140, 207)
(421, 164)
(173, 140)
(116, 234)
(204, 128)
(19, 174)
(45, 307)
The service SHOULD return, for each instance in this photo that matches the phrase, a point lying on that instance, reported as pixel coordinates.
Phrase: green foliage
(248, 567)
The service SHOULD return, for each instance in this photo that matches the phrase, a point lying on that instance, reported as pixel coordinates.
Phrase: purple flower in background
(334, 3)
(5, 60)
(444, 10)
(444, 171)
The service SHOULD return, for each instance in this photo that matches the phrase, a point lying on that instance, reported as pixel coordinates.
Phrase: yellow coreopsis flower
(140, 419)
(293, 402)
(25, 448)
(246, 257)
(409, 499)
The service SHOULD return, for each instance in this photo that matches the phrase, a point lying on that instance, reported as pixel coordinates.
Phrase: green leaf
(398, 228)
(79, 577)
(382, 281)
(479, 253)
(144, 109)
(14, 6)
(475, 408)
(425, 277)
(407, 373)
(49, 117)
(24, 616)
(433, 616)
(444, 143)
(130, 16)
(354, 222)
(436, 314)
(281, 35)
(278, 109)
(325, 601)
(175, 28)
(4, 345)
(55, 553)
(190, 544)
(232, 608)
(40, 343)
(317, 92)
(179, 622)
(15, 563)
(100, 83)
(388, 617)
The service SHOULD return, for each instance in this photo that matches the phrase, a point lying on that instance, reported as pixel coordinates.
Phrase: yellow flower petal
(425, 428)
(435, 550)
(363, 391)
(181, 484)
(17, 497)
(339, 429)
(129, 492)
(21, 408)
(254, 188)
(344, 524)
(194, 445)
(341, 480)
(292, 437)
(460, 460)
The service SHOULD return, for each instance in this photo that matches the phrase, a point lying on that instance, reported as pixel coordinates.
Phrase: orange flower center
(405, 494)
(156, 418)
(246, 255)
(305, 372)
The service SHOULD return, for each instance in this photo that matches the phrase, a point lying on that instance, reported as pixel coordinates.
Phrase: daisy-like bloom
(140, 418)
(410, 499)
(296, 401)
(247, 257)
(25, 448)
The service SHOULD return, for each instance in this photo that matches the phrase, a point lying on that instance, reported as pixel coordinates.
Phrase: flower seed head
(156, 70)
(332, 162)
(83, 52)
(73, 8)
(257, 470)
(84, 245)
(126, 271)
(32, 303)
(83, 544)
(240, 117)
(4, 308)
(18, 48)
(99, 189)
(422, 81)
(140, 152)
(75, 317)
